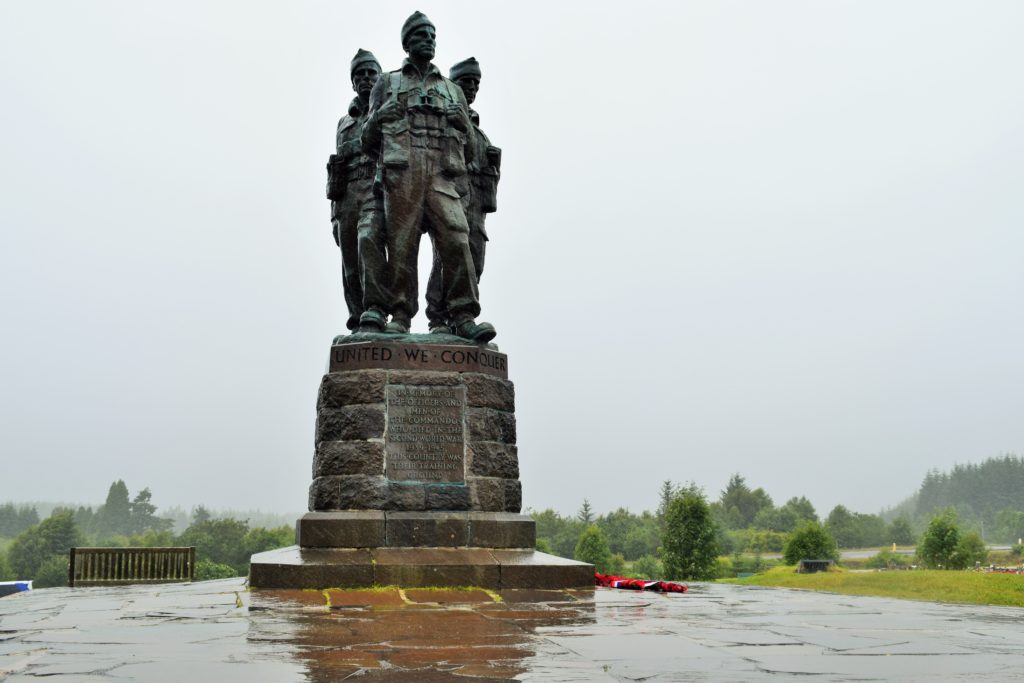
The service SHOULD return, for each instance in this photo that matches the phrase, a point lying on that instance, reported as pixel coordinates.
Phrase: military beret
(467, 67)
(414, 22)
(361, 57)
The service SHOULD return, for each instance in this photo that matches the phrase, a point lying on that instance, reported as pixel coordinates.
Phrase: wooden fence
(117, 566)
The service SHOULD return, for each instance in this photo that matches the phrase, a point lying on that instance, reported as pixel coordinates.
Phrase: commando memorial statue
(415, 464)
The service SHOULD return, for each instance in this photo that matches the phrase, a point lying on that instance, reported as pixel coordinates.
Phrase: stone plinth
(415, 476)
(298, 567)
(416, 427)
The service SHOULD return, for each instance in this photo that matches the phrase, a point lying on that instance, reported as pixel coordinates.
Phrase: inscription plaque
(424, 439)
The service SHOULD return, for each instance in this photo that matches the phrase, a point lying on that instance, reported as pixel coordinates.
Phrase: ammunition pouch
(337, 178)
(485, 190)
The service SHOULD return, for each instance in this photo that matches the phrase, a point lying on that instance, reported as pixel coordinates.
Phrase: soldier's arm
(371, 135)
(470, 132)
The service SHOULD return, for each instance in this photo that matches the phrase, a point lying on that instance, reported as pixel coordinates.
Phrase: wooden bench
(119, 566)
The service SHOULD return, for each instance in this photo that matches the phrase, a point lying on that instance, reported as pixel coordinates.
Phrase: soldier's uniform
(422, 156)
(350, 189)
(480, 199)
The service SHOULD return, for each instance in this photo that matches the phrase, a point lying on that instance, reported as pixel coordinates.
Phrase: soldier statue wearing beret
(419, 130)
(480, 199)
(350, 174)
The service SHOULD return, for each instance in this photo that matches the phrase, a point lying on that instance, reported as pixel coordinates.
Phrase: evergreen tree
(142, 515)
(900, 532)
(690, 542)
(114, 516)
(665, 496)
(585, 514)
(740, 505)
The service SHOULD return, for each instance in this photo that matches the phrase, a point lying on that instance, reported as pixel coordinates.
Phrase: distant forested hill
(990, 493)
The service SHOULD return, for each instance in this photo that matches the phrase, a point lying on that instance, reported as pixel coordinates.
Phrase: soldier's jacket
(349, 163)
(484, 175)
(423, 100)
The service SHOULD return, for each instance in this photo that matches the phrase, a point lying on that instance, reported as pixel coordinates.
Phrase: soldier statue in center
(419, 130)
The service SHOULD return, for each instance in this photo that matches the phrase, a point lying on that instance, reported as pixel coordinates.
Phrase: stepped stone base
(496, 569)
(380, 529)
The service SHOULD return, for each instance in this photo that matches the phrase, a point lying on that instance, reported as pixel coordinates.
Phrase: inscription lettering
(365, 355)
(424, 439)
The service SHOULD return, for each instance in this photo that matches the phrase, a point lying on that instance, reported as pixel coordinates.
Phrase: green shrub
(53, 572)
(593, 548)
(208, 570)
(648, 567)
(940, 541)
(810, 541)
(543, 545)
(970, 550)
(887, 559)
(616, 564)
(690, 540)
(6, 572)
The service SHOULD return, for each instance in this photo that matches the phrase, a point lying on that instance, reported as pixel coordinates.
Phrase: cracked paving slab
(219, 631)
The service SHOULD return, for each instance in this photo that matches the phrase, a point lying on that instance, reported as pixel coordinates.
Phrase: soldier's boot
(439, 327)
(481, 333)
(372, 320)
(398, 325)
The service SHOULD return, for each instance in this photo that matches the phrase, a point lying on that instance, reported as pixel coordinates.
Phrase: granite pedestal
(415, 475)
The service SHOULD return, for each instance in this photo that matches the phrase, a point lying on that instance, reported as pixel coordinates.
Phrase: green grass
(974, 588)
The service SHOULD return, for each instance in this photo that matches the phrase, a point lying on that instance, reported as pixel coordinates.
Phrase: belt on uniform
(361, 172)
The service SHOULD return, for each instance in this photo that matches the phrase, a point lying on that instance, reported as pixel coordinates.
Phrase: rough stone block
(417, 377)
(446, 497)
(357, 529)
(414, 529)
(513, 495)
(350, 423)
(486, 424)
(348, 457)
(406, 496)
(341, 389)
(361, 492)
(501, 530)
(485, 391)
(493, 459)
(486, 494)
(324, 494)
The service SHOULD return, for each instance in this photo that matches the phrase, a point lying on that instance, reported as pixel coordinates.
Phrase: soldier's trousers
(345, 218)
(359, 230)
(436, 310)
(419, 195)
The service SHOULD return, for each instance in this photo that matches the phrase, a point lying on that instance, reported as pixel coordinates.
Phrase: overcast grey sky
(776, 238)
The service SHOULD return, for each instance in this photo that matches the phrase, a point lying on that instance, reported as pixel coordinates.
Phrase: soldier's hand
(389, 111)
(457, 117)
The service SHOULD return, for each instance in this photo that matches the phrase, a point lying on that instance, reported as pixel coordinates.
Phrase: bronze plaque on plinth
(424, 439)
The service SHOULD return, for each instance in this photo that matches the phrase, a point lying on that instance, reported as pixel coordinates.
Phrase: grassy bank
(973, 588)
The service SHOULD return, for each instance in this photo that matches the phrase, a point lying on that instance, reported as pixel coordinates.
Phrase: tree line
(39, 549)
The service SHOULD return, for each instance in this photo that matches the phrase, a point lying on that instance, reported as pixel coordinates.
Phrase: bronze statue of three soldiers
(411, 159)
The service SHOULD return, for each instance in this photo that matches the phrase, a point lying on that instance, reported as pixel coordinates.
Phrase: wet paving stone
(220, 631)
